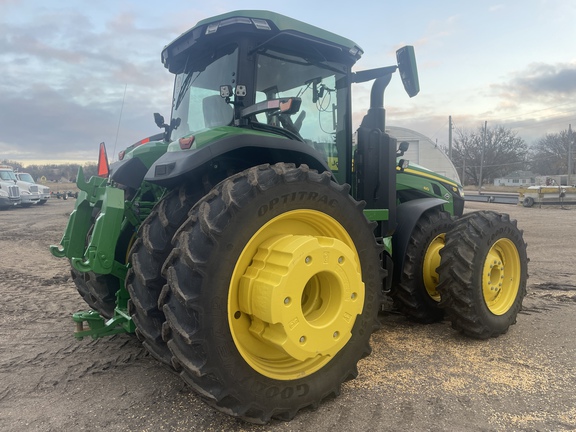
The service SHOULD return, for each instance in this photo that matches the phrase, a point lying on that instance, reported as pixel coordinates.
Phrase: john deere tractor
(250, 247)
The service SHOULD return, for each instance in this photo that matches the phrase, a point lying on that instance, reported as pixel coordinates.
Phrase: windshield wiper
(188, 81)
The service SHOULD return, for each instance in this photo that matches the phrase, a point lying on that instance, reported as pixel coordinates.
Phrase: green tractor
(250, 247)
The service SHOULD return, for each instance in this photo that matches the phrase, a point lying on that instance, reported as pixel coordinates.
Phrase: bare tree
(550, 154)
(53, 172)
(504, 152)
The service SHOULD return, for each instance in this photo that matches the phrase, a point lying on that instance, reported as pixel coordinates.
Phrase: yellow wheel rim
(501, 276)
(294, 295)
(430, 264)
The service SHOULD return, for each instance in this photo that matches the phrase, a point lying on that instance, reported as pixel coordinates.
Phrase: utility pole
(482, 157)
(569, 155)
(450, 138)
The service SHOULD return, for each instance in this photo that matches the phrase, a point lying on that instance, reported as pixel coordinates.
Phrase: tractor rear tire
(144, 280)
(415, 294)
(97, 290)
(483, 274)
(273, 289)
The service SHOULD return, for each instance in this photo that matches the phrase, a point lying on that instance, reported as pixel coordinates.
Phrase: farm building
(425, 152)
(516, 178)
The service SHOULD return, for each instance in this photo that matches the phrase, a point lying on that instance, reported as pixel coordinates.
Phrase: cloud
(540, 82)
(64, 79)
(553, 80)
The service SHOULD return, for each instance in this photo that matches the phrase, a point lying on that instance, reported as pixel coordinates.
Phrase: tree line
(498, 149)
(500, 152)
(53, 172)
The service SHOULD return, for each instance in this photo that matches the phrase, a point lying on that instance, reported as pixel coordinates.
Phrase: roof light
(235, 20)
(356, 52)
(103, 167)
(213, 27)
(261, 24)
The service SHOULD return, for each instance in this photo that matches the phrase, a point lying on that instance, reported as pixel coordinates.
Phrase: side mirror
(168, 128)
(403, 148)
(408, 70)
(159, 120)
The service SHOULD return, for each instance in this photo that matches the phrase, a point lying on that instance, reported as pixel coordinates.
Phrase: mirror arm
(371, 74)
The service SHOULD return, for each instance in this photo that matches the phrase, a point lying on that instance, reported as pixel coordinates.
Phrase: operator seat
(216, 111)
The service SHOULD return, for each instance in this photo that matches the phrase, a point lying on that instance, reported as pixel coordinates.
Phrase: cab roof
(265, 25)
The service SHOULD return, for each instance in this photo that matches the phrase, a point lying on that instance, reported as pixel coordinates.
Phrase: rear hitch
(91, 323)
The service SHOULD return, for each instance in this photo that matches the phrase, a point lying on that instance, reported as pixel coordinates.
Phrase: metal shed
(424, 151)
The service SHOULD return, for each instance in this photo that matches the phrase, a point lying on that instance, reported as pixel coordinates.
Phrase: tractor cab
(266, 76)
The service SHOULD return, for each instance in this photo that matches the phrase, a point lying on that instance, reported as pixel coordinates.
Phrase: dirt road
(418, 377)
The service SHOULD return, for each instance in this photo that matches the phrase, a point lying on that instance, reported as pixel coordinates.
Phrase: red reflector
(144, 141)
(186, 143)
(103, 167)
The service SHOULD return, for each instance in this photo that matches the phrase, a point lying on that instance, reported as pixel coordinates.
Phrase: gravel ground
(419, 377)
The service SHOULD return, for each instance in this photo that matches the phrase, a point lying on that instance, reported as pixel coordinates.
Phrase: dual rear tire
(272, 292)
(472, 270)
(144, 280)
(266, 296)
(416, 294)
(483, 274)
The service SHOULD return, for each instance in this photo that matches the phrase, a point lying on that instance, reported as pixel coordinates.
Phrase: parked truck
(247, 264)
(26, 180)
(29, 194)
(9, 191)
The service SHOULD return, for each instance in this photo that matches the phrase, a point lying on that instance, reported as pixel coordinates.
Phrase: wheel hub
(431, 263)
(500, 281)
(302, 294)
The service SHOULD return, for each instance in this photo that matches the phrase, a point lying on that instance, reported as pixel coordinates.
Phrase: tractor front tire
(144, 280)
(273, 289)
(416, 294)
(483, 274)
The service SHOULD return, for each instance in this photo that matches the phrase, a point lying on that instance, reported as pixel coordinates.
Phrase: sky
(75, 73)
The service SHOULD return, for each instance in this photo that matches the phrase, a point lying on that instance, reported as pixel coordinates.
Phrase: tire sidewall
(254, 211)
(499, 323)
(435, 228)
